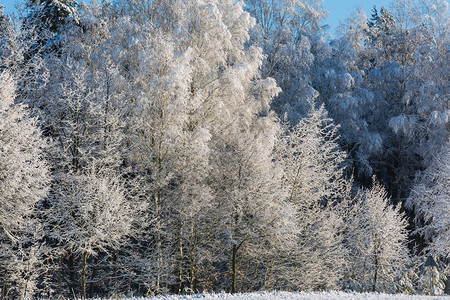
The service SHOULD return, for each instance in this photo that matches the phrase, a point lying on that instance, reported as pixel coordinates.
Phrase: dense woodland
(185, 146)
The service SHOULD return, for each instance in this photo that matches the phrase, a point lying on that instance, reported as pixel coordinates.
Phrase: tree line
(174, 146)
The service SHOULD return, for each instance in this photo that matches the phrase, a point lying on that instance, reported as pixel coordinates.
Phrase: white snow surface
(332, 295)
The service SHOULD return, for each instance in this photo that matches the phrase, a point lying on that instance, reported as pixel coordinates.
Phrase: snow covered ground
(298, 296)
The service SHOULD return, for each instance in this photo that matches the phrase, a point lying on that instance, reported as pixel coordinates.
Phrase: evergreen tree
(50, 14)
(430, 281)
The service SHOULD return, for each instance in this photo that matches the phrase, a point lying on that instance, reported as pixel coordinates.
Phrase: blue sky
(9, 4)
(338, 10)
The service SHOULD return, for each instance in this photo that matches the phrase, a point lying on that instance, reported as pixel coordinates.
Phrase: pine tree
(431, 281)
(51, 14)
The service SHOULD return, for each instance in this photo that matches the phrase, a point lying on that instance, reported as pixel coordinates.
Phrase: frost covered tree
(209, 95)
(340, 84)
(287, 32)
(87, 213)
(251, 216)
(429, 199)
(376, 239)
(431, 281)
(392, 51)
(171, 172)
(199, 123)
(162, 156)
(50, 14)
(422, 122)
(24, 178)
(313, 177)
(384, 75)
(16, 40)
(255, 222)
(42, 22)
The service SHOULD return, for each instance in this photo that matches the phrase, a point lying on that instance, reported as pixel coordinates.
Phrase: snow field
(332, 295)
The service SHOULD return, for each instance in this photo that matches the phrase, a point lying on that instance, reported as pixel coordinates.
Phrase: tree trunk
(116, 284)
(180, 259)
(234, 269)
(375, 275)
(193, 261)
(83, 274)
(158, 242)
